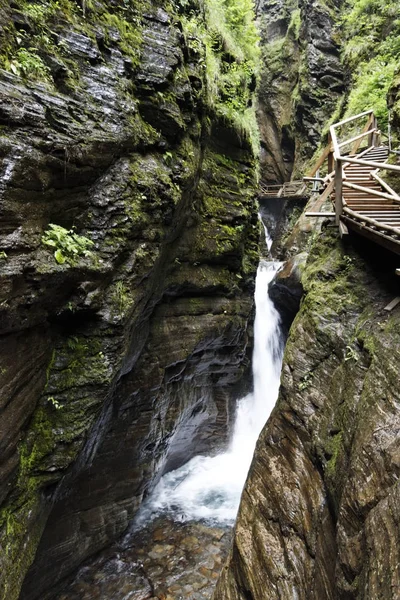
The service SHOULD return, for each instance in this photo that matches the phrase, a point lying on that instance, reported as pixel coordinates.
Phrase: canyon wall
(301, 83)
(319, 515)
(128, 248)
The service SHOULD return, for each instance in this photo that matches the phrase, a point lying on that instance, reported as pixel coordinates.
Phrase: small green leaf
(60, 258)
(49, 243)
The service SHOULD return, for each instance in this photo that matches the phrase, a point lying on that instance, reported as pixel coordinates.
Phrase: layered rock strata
(302, 82)
(319, 516)
(122, 345)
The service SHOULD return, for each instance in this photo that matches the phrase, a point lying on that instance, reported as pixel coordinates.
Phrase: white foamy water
(268, 238)
(210, 487)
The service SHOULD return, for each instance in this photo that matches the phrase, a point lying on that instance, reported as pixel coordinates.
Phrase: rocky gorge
(129, 242)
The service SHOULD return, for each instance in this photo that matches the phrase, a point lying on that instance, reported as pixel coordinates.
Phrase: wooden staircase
(363, 201)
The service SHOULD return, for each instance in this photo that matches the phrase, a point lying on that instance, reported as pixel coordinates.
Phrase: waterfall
(210, 487)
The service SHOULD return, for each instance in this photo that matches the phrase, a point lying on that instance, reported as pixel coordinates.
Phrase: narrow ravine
(210, 487)
(180, 538)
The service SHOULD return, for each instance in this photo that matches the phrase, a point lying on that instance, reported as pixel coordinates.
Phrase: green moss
(24, 52)
(121, 298)
(334, 447)
(228, 45)
(38, 446)
(129, 32)
(19, 548)
(371, 33)
(295, 24)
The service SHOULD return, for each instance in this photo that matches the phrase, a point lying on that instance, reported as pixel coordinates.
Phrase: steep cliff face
(319, 517)
(123, 327)
(301, 83)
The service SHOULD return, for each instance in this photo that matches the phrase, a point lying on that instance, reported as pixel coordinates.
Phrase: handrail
(385, 185)
(369, 163)
(289, 188)
(363, 114)
(370, 129)
(371, 221)
(365, 192)
(335, 143)
(327, 150)
(366, 127)
(357, 137)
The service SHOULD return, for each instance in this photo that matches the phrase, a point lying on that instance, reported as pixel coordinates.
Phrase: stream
(180, 538)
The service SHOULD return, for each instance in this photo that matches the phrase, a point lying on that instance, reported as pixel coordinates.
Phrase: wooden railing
(283, 190)
(371, 131)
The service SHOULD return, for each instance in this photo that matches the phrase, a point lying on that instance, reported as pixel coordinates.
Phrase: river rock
(286, 289)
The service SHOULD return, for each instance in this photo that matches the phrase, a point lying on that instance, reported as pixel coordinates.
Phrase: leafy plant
(27, 63)
(351, 354)
(371, 30)
(347, 262)
(121, 297)
(67, 245)
(305, 381)
(168, 158)
(228, 47)
(57, 405)
(3, 255)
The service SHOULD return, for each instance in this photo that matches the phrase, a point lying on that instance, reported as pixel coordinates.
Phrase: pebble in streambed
(165, 561)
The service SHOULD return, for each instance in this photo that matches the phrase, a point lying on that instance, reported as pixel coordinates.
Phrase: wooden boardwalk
(289, 189)
(366, 212)
(364, 202)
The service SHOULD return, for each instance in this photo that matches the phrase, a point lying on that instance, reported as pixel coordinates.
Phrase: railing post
(330, 155)
(372, 136)
(338, 189)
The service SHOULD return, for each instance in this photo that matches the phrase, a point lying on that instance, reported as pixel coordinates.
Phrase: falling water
(210, 487)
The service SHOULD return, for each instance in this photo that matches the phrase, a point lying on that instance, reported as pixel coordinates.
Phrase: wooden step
(366, 202)
(369, 205)
(362, 208)
(381, 215)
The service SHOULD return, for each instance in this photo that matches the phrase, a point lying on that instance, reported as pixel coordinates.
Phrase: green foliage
(370, 87)
(27, 63)
(335, 447)
(3, 255)
(68, 246)
(57, 405)
(372, 27)
(129, 33)
(305, 381)
(351, 354)
(228, 46)
(121, 298)
(372, 50)
(22, 53)
(295, 23)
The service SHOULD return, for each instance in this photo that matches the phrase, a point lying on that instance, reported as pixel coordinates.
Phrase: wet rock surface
(301, 83)
(286, 289)
(112, 364)
(167, 560)
(318, 518)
